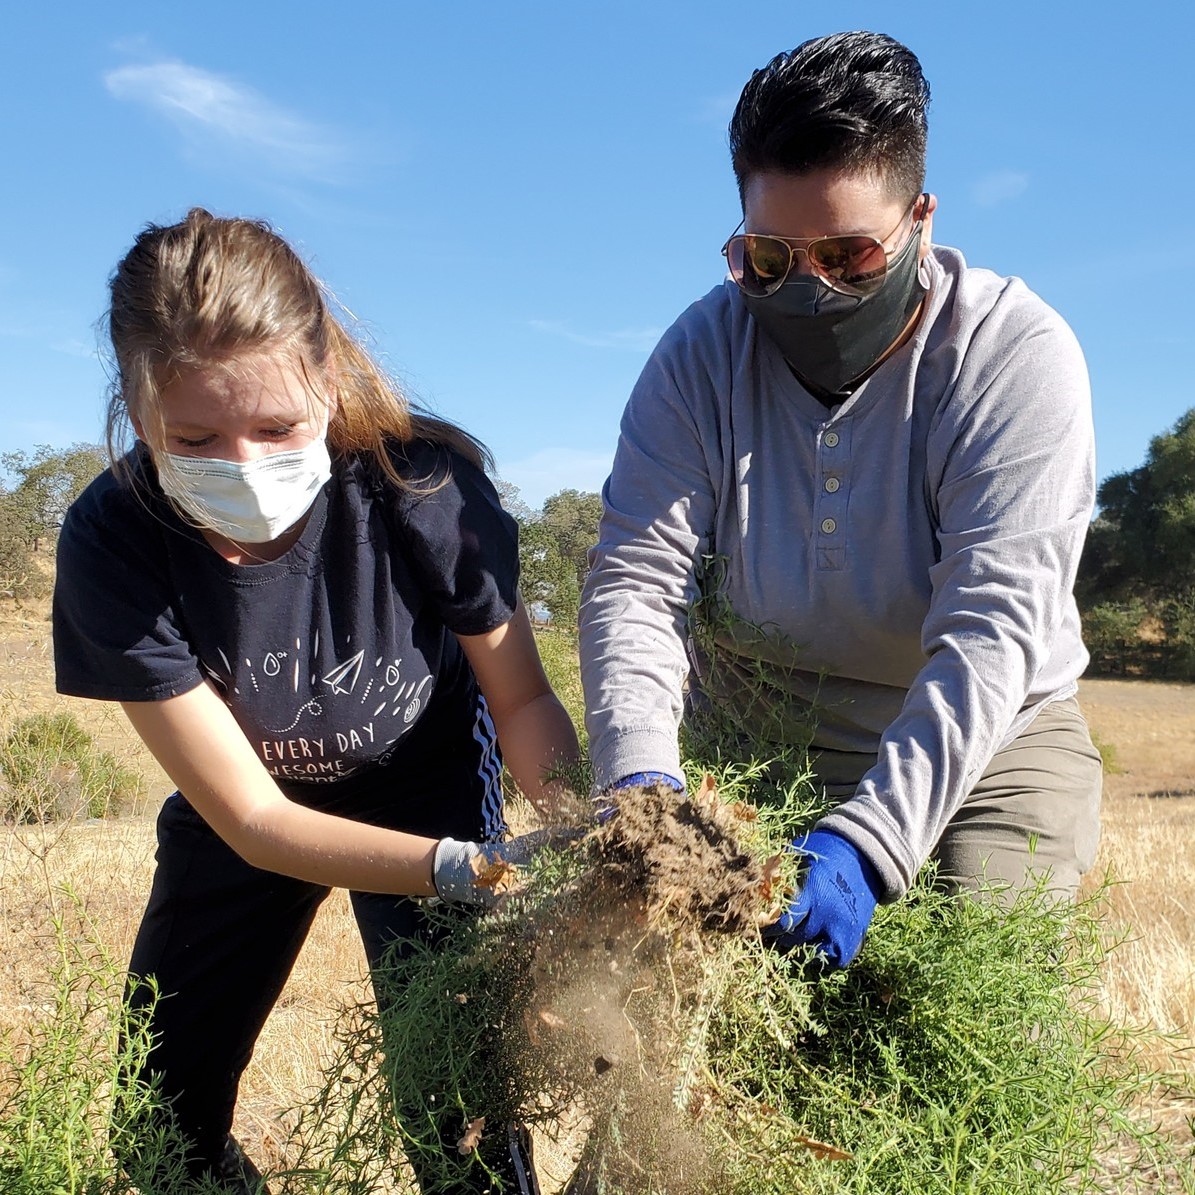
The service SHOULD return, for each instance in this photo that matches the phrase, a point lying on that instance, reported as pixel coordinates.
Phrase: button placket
(833, 483)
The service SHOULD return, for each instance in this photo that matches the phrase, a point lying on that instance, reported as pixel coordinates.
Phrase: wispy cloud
(46, 331)
(212, 107)
(551, 470)
(717, 110)
(999, 187)
(73, 347)
(639, 340)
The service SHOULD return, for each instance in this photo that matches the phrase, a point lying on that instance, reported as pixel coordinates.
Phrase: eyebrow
(283, 419)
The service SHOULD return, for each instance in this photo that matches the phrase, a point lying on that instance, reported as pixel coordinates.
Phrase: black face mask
(830, 339)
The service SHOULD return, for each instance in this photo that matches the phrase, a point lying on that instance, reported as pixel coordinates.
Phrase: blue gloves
(836, 901)
(604, 807)
(644, 779)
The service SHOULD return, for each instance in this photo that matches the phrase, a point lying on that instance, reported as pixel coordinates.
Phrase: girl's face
(241, 410)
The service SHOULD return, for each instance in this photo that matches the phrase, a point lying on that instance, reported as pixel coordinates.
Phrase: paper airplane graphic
(343, 678)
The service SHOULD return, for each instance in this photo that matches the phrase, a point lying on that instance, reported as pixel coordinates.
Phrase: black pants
(219, 939)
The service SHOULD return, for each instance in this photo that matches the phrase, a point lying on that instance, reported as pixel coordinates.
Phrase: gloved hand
(604, 807)
(457, 865)
(837, 899)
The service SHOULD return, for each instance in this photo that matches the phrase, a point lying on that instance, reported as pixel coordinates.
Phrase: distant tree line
(1136, 586)
(554, 545)
(35, 490)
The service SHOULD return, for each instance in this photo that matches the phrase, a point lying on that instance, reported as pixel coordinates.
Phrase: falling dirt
(611, 964)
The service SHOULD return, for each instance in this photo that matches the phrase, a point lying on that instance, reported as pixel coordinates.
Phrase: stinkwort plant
(70, 1092)
(964, 1051)
(51, 769)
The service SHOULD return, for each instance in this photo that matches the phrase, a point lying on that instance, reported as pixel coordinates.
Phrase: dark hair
(854, 101)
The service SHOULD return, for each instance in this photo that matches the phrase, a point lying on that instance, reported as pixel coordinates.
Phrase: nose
(800, 263)
(244, 450)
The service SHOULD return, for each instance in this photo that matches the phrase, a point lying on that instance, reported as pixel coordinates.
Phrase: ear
(138, 428)
(927, 228)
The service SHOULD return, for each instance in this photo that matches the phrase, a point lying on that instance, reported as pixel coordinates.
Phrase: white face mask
(250, 503)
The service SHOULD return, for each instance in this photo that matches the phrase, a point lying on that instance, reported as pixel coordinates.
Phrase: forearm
(201, 748)
(633, 664)
(538, 742)
(335, 851)
(996, 651)
(658, 519)
(534, 731)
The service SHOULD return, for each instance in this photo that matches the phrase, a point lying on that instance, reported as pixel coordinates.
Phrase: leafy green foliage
(965, 1051)
(553, 548)
(1144, 537)
(40, 487)
(64, 1080)
(1139, 562)
(20, 575)
(52, 769)
(46, 483)
(1112, 631)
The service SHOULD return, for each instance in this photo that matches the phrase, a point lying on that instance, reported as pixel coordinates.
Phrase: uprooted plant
(623, 982)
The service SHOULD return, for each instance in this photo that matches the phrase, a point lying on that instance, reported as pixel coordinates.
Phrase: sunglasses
(850, 265)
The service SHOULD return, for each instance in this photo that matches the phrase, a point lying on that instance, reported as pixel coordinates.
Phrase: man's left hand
(837, 899)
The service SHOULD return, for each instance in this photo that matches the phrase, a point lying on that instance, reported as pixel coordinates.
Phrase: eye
(768, 258)
(279, 432)
(203, 442)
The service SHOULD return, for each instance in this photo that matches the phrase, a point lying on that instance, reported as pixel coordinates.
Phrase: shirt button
(829, 526)
(832, 484)
(831, 439)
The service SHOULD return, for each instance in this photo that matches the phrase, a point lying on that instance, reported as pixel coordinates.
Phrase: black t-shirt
(339, 660)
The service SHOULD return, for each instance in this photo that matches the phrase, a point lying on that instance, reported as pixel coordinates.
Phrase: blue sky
(567, 163)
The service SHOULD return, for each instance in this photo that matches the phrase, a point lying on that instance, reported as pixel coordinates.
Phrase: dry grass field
(1148, 845)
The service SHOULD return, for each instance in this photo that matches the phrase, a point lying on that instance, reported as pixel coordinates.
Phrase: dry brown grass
(108, 865)
(1149, 844)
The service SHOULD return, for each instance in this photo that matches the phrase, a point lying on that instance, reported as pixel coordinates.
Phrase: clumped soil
(613, 965)
(683, 859)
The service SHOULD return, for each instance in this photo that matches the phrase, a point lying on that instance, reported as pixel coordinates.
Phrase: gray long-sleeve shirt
(912, 552)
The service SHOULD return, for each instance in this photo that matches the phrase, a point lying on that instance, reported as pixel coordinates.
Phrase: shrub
(1178, 621)
(964, 1051)
(20, 574)
(62, 1081)
(52, 770)
(1108, 758)
(1112, 632)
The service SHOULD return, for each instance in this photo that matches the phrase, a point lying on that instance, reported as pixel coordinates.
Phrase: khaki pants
(1036, 808)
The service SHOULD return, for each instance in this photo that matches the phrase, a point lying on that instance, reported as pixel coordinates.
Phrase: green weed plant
(51, 770)
(70, 1094)
(964, 1052)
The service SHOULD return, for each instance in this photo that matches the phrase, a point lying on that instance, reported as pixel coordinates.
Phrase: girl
(304, 596)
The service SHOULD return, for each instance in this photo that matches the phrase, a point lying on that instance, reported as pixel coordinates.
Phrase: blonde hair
(210, 291)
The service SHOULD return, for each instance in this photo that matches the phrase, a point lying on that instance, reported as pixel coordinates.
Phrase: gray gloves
(478, 873)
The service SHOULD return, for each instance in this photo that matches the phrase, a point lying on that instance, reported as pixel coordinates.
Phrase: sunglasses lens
(852, 265)
(758, 264)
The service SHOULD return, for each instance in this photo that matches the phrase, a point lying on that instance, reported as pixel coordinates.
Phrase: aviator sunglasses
(850, 265)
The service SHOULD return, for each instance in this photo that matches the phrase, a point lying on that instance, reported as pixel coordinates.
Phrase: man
(883, 457)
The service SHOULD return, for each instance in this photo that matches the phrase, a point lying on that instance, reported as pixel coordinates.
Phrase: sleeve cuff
(631, 751)
(880, 844)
